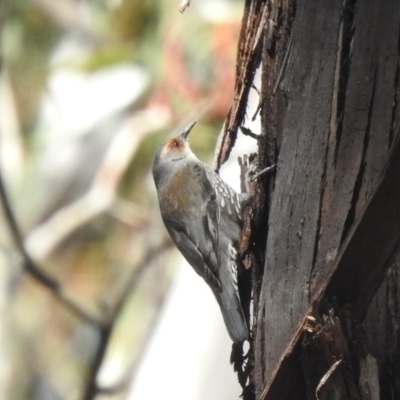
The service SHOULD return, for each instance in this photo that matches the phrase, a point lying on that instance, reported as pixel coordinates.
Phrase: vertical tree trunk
(330, 120)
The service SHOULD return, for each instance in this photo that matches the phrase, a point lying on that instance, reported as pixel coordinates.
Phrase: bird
(203, 216)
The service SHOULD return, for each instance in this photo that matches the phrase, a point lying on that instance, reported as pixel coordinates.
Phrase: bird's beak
(187, 130)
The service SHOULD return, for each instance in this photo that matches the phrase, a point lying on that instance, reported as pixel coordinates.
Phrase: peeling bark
(330, 118)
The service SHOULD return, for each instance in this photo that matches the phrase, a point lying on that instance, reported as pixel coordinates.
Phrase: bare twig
(326, 376)
(259, 173)
(248, 132)
(184, 5)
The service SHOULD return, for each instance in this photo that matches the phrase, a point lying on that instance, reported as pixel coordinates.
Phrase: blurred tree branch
(104, 324)
(106, 329)
(101, 195)
(33, 270)
(184, 5)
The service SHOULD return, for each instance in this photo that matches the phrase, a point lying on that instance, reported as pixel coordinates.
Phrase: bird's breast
(182, 197)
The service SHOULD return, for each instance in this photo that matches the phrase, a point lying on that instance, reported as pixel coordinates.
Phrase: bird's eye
(175, 143)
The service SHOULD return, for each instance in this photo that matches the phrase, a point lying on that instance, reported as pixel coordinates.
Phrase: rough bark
(330, 119)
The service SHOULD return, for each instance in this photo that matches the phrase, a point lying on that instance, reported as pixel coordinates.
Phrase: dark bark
(328, 313)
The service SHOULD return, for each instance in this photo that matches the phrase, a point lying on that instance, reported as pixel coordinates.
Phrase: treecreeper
(203, 216)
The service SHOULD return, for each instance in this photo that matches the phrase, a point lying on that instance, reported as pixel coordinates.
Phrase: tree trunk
(327, 223)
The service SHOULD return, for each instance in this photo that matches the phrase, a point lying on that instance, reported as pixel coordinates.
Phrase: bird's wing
(206, 240)
(212, 221)
(197, 234)
(194, 258)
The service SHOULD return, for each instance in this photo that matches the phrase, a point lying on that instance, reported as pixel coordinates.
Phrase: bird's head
(176, 148)
(172, 152)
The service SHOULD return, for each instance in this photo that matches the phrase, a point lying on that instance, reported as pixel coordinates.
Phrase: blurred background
(88, 91)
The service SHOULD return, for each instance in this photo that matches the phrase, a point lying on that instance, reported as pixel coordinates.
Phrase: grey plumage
(202, 214)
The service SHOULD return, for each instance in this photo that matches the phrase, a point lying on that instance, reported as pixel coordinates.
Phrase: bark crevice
(351, 215)
(345, 65)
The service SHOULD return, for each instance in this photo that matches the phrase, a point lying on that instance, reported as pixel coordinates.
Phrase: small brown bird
(202, 214)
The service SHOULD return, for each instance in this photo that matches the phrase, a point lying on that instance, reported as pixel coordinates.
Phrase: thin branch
(102, 193)
(137, 274)
(106, 330)
(33, 270)
(326, 376)
(184, 5)
(105, 326)
(248, 132)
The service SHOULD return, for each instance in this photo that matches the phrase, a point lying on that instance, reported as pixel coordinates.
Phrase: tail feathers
(228, 298)
(233, 316)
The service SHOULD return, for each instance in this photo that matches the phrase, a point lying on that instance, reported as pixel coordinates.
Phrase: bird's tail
(233, 315)
(228, 298)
